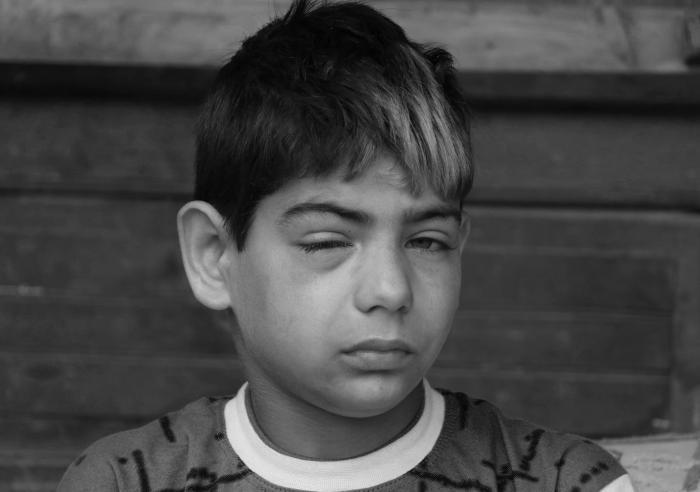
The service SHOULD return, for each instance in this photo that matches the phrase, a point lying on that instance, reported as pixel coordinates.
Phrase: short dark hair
(329, 86)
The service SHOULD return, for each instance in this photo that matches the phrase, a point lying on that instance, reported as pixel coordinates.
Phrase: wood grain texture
(582, 91)
(111, 387)
(591, 404)
(588, 158)
(566, 280)
(509, 89)
(32, 471)
(536, 157)
(63, 435)
(120, 249)
(551, 340)
(97, 146)
(503, 34)
(648, 233)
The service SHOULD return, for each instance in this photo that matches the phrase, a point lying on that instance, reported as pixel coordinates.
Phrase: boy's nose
(385, 282)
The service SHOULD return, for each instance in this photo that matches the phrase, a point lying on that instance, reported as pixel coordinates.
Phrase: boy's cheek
(311, 265)
(444, 274)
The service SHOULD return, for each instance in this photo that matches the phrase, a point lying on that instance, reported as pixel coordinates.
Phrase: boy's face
(345, 290)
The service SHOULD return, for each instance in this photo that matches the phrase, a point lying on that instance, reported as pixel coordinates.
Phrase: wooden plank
(120, 249)
(184, 84)
(541, 157)
(565, 340)
(485, 89)
(82, 217)
(686, 347)
(674, 234)
(502, 34)
(637, 232)
(65, 434)
(34, 471)
(110, 387)
(583, 91)
(610, 159)
(692, 36)
(480, 338)
(546, 280)
(588, 403)
(97, 146)
(120, 268)
(550, 35)
(99, 325)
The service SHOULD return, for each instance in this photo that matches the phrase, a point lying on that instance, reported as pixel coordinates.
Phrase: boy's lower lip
(377, 360)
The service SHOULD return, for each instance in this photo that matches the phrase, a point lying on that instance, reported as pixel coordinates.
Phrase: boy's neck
(299, 429)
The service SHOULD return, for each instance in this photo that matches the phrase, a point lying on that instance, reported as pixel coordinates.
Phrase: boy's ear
(203, 243)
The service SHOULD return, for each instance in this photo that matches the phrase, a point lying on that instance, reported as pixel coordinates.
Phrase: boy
(332, 164)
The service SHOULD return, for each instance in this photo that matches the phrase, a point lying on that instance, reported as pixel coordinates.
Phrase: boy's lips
(380, 345)
(378, 355)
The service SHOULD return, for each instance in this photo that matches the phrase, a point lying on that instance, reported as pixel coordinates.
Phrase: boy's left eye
(428, 244)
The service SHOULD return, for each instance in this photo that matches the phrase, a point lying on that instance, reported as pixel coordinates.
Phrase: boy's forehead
(381, 177)
(387, 172)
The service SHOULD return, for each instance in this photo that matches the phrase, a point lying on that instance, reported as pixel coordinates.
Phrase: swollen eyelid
(324, 245)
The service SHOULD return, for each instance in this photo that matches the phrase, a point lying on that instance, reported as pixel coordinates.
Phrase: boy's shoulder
(477, 436)
(185, 446)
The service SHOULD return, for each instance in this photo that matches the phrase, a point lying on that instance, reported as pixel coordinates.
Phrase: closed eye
(324, 245)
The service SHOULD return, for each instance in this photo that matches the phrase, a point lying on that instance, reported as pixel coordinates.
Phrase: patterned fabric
(478, 450)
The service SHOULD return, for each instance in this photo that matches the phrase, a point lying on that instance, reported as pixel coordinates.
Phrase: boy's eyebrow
(443, 212)
(438, 212)
(324, 208)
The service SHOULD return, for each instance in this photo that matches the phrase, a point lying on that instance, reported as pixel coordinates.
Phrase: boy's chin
(371, 399)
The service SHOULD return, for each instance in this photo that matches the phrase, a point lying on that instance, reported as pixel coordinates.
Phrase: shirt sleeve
(622, 484)
(586, 467)
(89, 473)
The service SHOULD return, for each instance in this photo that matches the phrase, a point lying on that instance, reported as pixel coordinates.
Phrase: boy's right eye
(324, 245)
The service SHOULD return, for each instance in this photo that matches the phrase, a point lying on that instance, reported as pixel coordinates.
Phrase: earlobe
(203, 244)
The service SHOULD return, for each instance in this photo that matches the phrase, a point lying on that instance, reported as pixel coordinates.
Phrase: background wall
(581, 303)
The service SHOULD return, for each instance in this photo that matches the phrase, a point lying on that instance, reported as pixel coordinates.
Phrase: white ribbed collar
(377, 467)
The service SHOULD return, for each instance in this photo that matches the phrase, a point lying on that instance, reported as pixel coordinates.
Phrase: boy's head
(328, 87)
(332, 161)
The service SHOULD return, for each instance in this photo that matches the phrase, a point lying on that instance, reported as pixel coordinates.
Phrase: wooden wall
(581, 297)
(483, 34)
